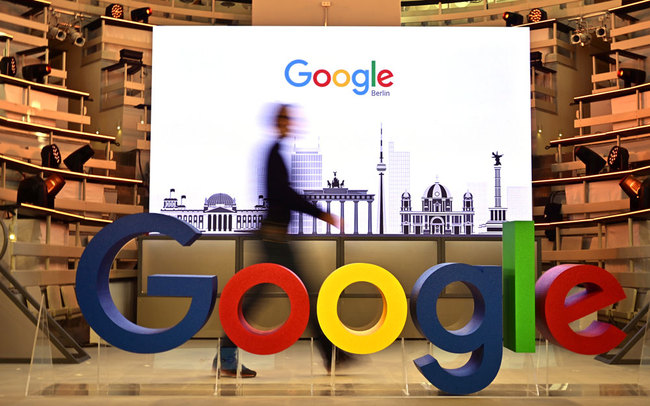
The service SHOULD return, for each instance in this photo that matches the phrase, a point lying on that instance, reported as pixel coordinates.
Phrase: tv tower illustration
(381, 168)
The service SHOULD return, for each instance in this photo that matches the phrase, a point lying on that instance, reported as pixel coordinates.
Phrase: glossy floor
(298, 375)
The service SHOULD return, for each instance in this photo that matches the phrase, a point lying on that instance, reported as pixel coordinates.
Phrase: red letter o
(249, 338)
(327, 75)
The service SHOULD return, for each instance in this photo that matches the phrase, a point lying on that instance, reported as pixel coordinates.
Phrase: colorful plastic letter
(482, 335)
(392, 319)
(555, 310)
(248, 337)
(95, 299)
(519, 286)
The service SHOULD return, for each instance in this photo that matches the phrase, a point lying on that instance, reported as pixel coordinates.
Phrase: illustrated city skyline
(307, 175)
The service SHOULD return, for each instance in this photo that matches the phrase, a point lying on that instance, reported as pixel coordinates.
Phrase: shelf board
(55, 90)
(614, 218)
(611, 94)
(609, 135)
(80, 135)
(29, 167)
(30, 210)
(592, 178)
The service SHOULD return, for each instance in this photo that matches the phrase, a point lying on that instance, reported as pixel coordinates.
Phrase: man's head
(283, 120)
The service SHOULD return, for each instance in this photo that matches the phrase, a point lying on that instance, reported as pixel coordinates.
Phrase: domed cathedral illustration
(437, 216)
(219, 214)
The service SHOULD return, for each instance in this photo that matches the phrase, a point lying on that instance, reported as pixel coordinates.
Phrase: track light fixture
(141, 15)
(56, 33)
(618, 158)
(37, 72)
(580, 37)
(536, 15)
(594, 163)
(631, 76)
(8, 66)
(76, 37)
(115, 10)
(513, 19)
(602, 32)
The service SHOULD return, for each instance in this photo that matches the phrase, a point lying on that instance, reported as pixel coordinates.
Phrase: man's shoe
(232, 373)
(229, 365)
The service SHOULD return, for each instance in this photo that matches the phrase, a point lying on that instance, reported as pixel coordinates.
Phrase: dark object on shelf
(618, 158)
(115, 10)
(36, 72)
(638, 191)
(130, 56)
(53, 185)
(536, 15)
(8, 66)
(40, 192)
(32, 190)
(141, 15)
(512, 19)
(631, 76)
(75, 161)
(552, 213)
(50, 156)
(536, 59)
(594, 163)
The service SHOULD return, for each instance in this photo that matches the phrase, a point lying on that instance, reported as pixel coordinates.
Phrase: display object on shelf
(638, 191)
(51, 156)
(594, 163)
(618, 158)
(631, 76)
(36, 72)
(8, 66)
(76, 160)
(39, 191)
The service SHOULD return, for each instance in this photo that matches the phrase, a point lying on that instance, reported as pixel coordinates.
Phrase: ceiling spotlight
(115, 10)
(37, 72)
(512, 19)
(536, 15)
(141, 15)
(594, 163)
(50, 156)
(638, 191)
(8, 66)
(618, 158)
(631, 76)
(76, 160)
(581, 38)
(76, 37)
(56, 33)
(601, 32)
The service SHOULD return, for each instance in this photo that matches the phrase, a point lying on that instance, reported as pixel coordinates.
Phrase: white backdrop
(458, 95)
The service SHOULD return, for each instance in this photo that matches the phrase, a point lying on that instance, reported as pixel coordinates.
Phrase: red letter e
(554, 310)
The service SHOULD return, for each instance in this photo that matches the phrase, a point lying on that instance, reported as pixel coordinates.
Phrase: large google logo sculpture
(504, 308)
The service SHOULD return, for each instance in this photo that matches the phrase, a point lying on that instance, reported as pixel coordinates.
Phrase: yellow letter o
(347, 78)
(390, 324)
